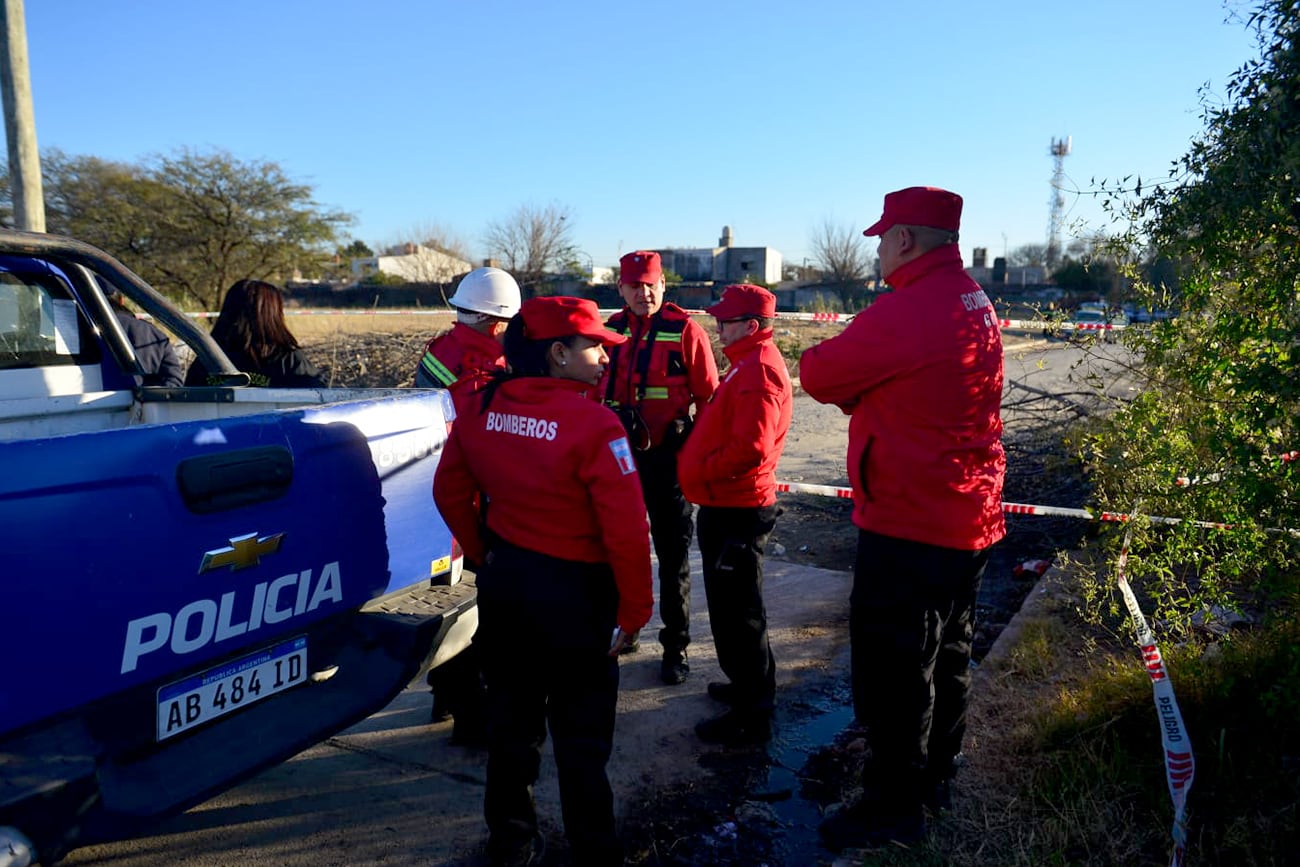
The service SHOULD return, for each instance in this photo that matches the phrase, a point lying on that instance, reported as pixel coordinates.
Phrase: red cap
(558, 316)
(640, 266)
(919, 206)
(744, 299)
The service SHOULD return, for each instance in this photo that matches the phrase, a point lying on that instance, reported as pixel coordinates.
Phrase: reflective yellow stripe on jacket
(437, 369)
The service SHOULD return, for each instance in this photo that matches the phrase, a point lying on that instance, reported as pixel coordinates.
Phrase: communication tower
(1059, 150)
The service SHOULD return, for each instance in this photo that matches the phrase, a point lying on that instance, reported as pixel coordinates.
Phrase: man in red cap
(663, 372)
(920, 374)
(728, 468)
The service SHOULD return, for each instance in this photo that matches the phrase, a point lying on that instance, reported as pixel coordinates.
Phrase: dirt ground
(757, 806)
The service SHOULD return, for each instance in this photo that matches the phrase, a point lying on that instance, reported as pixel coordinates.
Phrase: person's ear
(559, 353)
(752, 326)
(906, 240)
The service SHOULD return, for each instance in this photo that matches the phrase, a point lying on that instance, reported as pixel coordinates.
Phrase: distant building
(1027, 275)
(724, 263)
(415, 263)
(1002, 275)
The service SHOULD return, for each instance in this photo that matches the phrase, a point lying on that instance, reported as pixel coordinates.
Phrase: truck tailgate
(176, 545)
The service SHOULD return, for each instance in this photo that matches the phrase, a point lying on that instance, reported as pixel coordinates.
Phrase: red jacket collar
(745, 345)
(477, 340)
(526, 388)
(938, 258)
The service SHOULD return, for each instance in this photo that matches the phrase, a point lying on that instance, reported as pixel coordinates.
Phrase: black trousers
(911, 618)
(544, 633)
(731, 544)
(671, 526)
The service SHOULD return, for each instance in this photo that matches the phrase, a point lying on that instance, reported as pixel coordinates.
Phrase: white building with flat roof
(724, 263)
(415, 264)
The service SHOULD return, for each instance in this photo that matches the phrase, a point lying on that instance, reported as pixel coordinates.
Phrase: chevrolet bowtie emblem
(244, 551)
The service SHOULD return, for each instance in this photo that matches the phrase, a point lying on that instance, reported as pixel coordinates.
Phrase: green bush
(1219, 402)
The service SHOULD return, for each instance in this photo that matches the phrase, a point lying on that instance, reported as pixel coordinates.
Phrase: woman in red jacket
(539, 485)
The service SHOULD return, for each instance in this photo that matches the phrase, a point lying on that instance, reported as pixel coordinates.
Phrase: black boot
(674, 668)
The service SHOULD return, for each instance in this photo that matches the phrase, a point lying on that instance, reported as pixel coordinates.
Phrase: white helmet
(490, 291)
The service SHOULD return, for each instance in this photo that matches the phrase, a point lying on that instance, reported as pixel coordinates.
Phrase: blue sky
(656, 124)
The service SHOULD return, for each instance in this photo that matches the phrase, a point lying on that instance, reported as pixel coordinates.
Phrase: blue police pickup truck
(195, 583)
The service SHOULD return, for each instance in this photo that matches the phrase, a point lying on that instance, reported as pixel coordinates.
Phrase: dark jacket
(153, 349)
(287, 370)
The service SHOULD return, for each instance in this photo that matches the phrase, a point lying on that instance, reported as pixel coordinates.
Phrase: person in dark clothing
(656, 381)
(252, 332)
(538, 484)
(153, 348)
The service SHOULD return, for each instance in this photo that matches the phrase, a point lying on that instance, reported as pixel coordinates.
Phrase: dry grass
(379, 350)
(318, 326)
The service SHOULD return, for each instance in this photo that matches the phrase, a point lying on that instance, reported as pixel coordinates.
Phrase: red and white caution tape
(1114, 517)
(819, 490)
(1012, 508)
(1014, 324)
(1180, 763)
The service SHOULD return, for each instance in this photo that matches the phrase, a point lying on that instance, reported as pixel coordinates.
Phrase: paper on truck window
(67, 337)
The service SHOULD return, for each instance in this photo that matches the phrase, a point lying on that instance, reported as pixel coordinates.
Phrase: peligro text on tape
(1180, 763)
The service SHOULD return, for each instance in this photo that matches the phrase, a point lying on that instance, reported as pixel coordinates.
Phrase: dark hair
(524, 356)
(252, 322)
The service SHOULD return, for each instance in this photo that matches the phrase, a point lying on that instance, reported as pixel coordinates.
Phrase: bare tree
(532, 242)
(1028, 254)
(841, 252)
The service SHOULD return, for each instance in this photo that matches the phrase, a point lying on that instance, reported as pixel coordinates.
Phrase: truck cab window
(40, 325)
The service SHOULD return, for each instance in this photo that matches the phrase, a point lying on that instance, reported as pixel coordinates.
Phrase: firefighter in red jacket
(539, 485)
(920, 374)
(464, 358)
(664, 372)
(728, 468)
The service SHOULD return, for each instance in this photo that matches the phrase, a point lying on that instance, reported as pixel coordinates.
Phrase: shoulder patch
(623, 454)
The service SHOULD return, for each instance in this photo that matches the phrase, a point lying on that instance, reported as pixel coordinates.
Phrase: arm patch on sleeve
(623, 454)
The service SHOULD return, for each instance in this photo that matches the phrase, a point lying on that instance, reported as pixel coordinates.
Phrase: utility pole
(1060, 150)
(20, 121)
